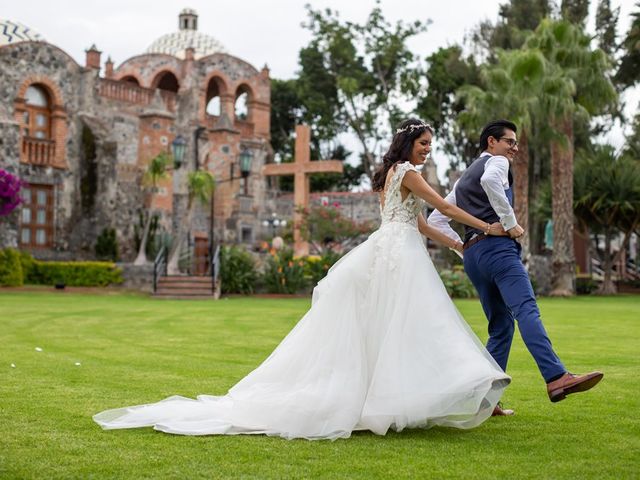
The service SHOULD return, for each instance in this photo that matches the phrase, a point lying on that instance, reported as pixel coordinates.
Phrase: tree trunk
(521, 191)
(607, 287)
(141, 259)
(563, 261)
(176, 248)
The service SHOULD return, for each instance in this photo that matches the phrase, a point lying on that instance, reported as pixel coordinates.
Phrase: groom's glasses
(510, 141)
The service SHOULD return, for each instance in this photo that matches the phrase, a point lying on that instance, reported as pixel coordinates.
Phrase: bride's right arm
(418, 185)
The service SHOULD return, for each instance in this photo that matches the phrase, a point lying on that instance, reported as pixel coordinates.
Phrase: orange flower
(290, 264)
(279, 269)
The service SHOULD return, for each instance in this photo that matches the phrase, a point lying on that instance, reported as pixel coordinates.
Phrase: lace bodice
(396, 210)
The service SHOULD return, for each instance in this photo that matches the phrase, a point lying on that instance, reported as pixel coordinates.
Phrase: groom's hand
(496, 230)
(516, 232)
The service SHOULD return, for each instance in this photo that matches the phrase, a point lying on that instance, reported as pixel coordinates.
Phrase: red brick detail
(155, 137)
(37, 152)
(226, 100)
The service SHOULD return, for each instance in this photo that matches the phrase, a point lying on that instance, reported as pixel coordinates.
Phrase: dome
(187, 36)
(14, 32)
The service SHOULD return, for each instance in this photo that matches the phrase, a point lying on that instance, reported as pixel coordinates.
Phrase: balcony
(130, 93)
(38, 151)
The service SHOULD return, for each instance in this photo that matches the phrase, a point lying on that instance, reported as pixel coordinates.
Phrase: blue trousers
(505, 291)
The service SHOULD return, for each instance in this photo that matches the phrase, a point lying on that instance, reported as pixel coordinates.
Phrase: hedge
(74, 274)
(17, 268)
(10, 268)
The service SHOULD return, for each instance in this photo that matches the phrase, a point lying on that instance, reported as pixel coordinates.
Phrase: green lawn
(133, 349)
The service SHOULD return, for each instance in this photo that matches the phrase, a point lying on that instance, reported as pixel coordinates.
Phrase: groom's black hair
(496, 130)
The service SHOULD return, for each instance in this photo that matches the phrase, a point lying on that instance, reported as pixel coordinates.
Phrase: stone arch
(50, 151)
(132, 79)
(215, 93)
(242, 102)
(166, 80)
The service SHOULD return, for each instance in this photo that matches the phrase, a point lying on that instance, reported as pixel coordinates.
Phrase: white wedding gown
(381, 347)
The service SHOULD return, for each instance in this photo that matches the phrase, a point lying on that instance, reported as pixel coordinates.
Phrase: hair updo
(400, 149)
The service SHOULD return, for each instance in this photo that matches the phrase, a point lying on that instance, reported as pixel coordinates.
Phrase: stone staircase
(186, 287)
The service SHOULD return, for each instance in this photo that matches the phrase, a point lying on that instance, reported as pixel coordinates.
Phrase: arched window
(242, 104)
(36, 119)
(213, 98)
(130, 79)
(166, 81)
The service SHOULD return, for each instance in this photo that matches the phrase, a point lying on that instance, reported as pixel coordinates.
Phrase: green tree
(632, 146)
(575, 11)
(200, 185)
(366, 72)
(286, 111)
(511, 89)
(327, 229)
(607, 201)
(628, 73)
(606, 25)
(156, 171)
(447, 71)
(517, 19)
(581, 88)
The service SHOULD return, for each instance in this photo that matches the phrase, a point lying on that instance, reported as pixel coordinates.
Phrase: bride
(381, 347)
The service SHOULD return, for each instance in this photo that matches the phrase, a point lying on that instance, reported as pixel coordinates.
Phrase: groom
(494, 266)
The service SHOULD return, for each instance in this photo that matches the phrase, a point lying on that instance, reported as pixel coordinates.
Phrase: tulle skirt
(382, 347)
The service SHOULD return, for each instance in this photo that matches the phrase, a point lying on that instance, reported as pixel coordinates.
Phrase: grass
(133, 349)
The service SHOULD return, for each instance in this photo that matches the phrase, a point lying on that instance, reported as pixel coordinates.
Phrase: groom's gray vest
(471, 197)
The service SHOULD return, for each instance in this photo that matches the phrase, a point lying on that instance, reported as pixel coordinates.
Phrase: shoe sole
(586, 384)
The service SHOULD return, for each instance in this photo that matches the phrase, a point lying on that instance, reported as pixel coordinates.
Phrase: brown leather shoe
(501, 412)
(570, 383)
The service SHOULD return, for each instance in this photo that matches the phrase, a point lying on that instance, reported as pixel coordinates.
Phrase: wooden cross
(301, 168)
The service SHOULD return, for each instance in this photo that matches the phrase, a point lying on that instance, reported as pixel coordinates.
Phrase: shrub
(316, 267)
(585, 285)
(76, 274)
(10, 268)
(27, 262)
(457, 283)
(107, 245)
(237, 270)
(284, 273)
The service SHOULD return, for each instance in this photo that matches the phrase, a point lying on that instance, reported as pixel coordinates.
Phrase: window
(36, 120)
(246, 234)
(36, 219)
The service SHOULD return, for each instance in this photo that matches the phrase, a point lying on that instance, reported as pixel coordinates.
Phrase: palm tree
(578, 88)
(201, 185)
(156, 171)
(510, 89)
(607, 201)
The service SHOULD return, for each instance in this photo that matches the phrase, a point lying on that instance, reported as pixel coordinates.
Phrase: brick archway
(216, 84)
(51, 151)
(241, 89)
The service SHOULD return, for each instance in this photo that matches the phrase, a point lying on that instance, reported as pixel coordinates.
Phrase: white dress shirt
(494, 181)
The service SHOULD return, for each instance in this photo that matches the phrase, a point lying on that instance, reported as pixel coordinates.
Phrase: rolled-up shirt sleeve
(494, 180)
(441, 222)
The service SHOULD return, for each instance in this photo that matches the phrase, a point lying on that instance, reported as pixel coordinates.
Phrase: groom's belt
(474, 240)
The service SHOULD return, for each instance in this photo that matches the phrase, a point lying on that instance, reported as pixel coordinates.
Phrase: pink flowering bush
(9, 192)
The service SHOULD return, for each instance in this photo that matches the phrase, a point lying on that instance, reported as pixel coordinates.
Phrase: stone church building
(82, 136)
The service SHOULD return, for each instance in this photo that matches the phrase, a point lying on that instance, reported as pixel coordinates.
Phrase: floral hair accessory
(413, 127)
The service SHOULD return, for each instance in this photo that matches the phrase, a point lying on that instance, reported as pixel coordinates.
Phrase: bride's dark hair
(400, 149)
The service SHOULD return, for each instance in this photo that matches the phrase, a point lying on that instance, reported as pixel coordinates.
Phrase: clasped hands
(496, 229)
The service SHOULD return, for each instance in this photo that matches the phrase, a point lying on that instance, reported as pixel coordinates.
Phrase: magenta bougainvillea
(9, 192)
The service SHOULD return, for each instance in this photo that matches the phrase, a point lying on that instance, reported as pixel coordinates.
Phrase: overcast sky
(260, 32)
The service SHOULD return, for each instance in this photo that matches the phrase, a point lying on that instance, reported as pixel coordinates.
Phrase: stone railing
(130, 93)
(38, 151)
(169, 99)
